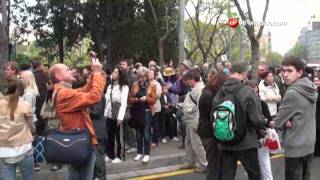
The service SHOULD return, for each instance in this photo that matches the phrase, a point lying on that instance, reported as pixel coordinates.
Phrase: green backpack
(224, 121)
(226, 127)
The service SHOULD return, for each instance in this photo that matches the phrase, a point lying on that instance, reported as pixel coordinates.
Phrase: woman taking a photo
(116, 105)
(15, 133)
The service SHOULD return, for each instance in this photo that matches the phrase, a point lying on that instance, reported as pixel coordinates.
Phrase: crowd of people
(133, 109)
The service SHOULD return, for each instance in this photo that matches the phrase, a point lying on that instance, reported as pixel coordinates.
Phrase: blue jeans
(144, 135)
(25, 167)
(83, 172)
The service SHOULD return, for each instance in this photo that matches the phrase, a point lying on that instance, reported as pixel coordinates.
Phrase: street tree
(208, 35)
(254, 37)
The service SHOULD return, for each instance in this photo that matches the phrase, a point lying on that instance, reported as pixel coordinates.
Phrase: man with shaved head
(72, 107)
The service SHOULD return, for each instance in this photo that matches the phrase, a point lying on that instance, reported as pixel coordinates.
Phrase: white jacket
(118, 95)
(271, 95)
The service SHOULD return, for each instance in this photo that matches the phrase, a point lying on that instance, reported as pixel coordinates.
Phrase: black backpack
(228, 128)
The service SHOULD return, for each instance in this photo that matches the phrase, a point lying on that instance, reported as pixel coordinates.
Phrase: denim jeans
(83, 172)
(144, 135)
(25, 166)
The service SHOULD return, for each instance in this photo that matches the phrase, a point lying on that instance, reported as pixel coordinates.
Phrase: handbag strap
(54, 102)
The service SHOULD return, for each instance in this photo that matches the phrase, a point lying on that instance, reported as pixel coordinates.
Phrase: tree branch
(154, 15)
(263, 20)
(214, 31)
(249, 10)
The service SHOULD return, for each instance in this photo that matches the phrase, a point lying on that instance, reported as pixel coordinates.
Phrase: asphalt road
(277, 169)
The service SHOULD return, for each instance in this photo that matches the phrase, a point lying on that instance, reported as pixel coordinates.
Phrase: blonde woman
(30, 91)
(29, 95)
(15, 134)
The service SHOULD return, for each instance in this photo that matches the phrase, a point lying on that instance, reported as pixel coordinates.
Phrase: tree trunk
(255, 58)
(109, 12)
(204, 58)
(161, 51)
(61, 46)
(4, 41)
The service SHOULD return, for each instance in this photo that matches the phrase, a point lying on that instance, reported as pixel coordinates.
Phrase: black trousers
(115, 133)
(317, 145)
(168, 124)
(100, 165)
(298, 168)
(213, 155)
(249, 160)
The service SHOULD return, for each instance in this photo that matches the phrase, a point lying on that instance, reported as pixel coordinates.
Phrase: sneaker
(56, 167)
(200, 170)
(138, 157)
(36, 167)
(164, 141)
(116, 160)
(146, 159)
(153, 145)
(175, 139)
(131, 150)
(107, 159)
(187, 166)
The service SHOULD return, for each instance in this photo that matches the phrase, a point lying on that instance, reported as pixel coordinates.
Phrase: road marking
(162, 175)
(181, 172)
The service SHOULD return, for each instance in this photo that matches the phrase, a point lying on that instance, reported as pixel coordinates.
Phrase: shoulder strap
(54, 100)
(192, 99)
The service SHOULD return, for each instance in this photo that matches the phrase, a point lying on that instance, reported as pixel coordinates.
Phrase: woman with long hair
(15, 133)
(30, 91)
(216, 78)
(30, 94)
(142, 97)
(156, 108)
(117, 93)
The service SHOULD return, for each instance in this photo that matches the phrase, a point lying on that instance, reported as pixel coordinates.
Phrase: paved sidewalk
(165, 157)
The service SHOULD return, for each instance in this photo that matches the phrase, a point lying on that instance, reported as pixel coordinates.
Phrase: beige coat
(16, 132)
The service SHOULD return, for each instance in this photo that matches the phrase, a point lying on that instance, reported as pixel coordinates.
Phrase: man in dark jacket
(248, 114)
(41, 81)
(128, 132)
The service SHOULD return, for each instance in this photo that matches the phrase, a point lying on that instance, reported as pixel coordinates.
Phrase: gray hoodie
(298, 106)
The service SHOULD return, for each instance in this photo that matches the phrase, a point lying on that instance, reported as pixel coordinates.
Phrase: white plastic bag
(271, 140)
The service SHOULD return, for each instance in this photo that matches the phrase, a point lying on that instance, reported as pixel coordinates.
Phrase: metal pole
(181, 31)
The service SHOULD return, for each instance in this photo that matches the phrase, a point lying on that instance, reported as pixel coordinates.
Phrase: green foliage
(297, 50)
(274, 58)
(117, 29)
(26, 53)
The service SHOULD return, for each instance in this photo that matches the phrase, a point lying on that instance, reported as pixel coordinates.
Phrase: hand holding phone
(95, 63)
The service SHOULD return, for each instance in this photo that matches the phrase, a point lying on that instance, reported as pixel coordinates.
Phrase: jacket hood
(306, 88)
(232, 85)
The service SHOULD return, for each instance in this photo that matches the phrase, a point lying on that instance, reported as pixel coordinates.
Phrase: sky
(295, 13)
